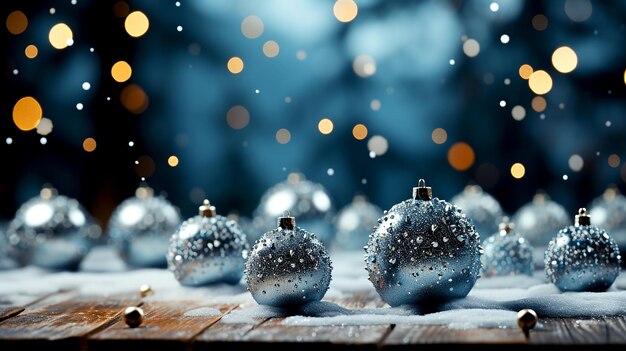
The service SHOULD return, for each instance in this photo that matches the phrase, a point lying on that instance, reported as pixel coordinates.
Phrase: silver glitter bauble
(582, 257)
(354, 223)
(141, 227)
(507, 253)
(207, 249)
(540, 220)
(483, 209)
(423, 250)
(308, 201)
(288, 266)
(608, 211)
(51, 231)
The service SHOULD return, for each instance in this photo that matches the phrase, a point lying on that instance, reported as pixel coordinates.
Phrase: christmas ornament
(288, 266)
(51, 231)
(145, 290)
(354, 223)
(582, 257)
(308, 201)
(507, 253)
(5, 261)
(207, 248)
(133, 316)
(540, 219)
(141, 227)
(483, 209)
(526, 319)
(608, 211)
(423, 250)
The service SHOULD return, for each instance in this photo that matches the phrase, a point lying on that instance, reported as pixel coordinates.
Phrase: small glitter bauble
(507, 253)
(423, 250)
(288, 266)
(608, 211)
(354, 223)
(540, 220)
(308, 201)
(582, 257)
(51, 231)
(133, 316)
(207, 249)
(483, 209)
(141, 227)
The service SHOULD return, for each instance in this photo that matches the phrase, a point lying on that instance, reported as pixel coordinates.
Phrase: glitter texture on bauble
(483, 209)
(507, 252)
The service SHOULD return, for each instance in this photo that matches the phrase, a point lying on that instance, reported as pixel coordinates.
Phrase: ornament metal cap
(286, 221)
(206, 209)
(48, 192)
(582, 218)
(421, 191)
(505, 226)
(144, 192)
(611, 192)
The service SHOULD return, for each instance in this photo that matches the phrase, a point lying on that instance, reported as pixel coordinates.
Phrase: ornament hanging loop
(582, 218)
(421, 191)
(206, 209)
(287, 221)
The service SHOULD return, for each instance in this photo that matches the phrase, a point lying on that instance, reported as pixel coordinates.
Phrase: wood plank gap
(257, 325)
(11, 313)
(192, 339)
(381, 342)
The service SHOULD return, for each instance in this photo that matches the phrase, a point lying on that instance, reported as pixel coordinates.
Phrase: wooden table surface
(83, 311)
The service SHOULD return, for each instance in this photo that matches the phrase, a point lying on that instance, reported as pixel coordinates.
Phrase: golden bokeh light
(121, 71)
(525, 71)
(539, 104)
(359, 132)
(325, 126)
(461, 156)
(540, 82)
(134, 98)
(17, 22)
(564, 59)
(540, 22)
(238, 117)
(439, 135)
(252, 27)
(345, 10)
(625, 76)
(283, 136)
(271, 49)
(364, 66)
(60, 36)
(235, 65)
(136, 24)
(89, 144)
(27, 113)
(172, 161)
(31, 51)
(121, 9)
(614, 160)
(518, 170)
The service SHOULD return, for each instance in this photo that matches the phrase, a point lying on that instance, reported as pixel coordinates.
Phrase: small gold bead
(146, 290)
(526, 319)
(133, 316)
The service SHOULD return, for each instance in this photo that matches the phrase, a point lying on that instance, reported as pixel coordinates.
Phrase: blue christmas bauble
(582, 257)
(207, 249)
(307, 201)
(51, 231)
(540, 220)
(288, 266)
(354, 223)
(483, 209)
(423, 250)
(608, 211)
(141, 226)
(507, 252)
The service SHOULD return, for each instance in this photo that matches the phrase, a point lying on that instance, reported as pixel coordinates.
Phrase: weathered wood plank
(552, 331)
(587, 331)
(8, 312)
(165, 327)
(226, 336)
(616, 328)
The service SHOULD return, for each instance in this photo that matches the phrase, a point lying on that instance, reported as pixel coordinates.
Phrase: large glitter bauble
(423, 250)
(483, 209)
(608, 211)
(308, 201)
(141, 227)
(207, 249)
(354, 223)
(540, 220)
(507, 252)
(582, 257)
(288, 266)
(51, 231)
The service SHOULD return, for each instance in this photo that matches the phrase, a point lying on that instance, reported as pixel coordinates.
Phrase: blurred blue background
(435, 87)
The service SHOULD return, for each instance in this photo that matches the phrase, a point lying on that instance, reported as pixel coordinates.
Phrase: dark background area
(190, 91)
